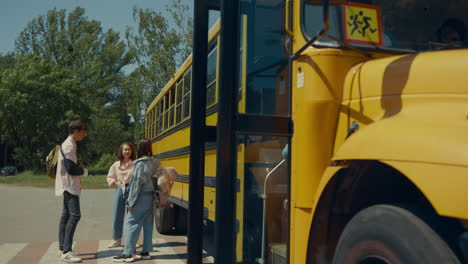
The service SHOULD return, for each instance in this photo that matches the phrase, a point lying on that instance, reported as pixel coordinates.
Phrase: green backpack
(51, 161)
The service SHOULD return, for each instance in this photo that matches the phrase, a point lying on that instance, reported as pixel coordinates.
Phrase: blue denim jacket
(141, 181)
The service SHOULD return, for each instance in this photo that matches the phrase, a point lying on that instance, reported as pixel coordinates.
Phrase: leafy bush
(104, 162)
(98, 171)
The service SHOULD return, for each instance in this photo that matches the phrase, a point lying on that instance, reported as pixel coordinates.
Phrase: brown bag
(165, 181)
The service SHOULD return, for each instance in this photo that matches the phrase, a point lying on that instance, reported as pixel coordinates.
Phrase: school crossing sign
(362, 24)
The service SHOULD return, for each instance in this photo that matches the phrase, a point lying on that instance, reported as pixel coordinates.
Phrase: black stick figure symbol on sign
(361, 23)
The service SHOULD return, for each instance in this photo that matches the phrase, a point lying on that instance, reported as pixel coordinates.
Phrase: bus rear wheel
(164, 219)
(387, 234)
(180, 220)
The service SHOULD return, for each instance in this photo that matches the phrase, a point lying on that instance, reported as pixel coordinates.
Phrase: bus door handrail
(264, 196)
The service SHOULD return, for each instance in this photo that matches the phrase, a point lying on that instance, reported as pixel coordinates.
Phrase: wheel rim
(372, 252)
(374, 260)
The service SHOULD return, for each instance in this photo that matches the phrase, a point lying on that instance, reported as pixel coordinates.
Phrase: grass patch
(41, 180)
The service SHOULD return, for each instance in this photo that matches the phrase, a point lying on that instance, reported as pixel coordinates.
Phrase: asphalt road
(33, 214)
(29, 221)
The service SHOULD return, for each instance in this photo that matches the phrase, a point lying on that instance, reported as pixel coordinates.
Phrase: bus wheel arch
(353, 189)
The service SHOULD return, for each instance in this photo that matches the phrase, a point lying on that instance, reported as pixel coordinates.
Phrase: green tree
(7, 61)
(159, 45)
(95, 60)
(38, 101)
(133, 99)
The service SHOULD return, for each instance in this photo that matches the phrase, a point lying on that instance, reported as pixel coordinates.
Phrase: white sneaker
(60, 252)
(115, 243)
(70, 257)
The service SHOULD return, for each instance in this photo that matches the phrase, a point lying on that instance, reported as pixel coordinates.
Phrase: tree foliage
(160, 44)
(94, 60)
(66, 67)
(38, 100)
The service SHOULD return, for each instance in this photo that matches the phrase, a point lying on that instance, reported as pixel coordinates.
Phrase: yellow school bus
(168, 127)
(375, 166)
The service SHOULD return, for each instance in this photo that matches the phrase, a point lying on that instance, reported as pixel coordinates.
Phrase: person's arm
(69, 161)
(136, 182)
(112, 176)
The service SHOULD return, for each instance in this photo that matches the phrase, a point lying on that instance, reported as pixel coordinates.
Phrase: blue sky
(116, 14)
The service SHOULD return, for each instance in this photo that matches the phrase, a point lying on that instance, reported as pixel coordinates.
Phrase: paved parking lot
(29, 228)
(33, 214)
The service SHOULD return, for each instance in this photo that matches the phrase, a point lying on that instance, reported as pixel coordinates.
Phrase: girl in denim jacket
(140, 204)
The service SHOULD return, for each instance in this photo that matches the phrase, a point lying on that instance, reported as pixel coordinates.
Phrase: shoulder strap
(63, 155)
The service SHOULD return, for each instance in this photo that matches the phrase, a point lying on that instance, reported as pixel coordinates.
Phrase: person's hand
(130, 208)
(83, 165)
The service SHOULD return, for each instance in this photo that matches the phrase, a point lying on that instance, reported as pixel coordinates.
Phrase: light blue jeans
(141, 216)
(118, 211)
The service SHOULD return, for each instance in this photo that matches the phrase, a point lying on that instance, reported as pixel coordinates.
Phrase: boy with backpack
(68, 184)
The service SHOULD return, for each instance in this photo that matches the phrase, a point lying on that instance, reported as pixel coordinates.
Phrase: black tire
(181, 220)
(164, 220)
(386, 234)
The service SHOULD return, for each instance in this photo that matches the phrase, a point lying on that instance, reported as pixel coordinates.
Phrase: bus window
(179, 101)
(156, 120)
(412, 28)
(211, 77)
(171, 106)
(187, 89)
(267, 57)
(165, 111)
(313, 22)
(160, 117)
(147, 127)
(153, 123)
(150, 120)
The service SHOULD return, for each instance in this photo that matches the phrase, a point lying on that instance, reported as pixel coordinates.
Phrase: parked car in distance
(8, 170)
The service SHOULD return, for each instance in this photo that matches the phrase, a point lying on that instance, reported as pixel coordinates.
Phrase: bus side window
(160, 117)
(153, 123)
(156, 120)
(211, 77)
(171, 106)
(147, 126)
(179, 101)
(165, 111)
(187, 89)
(150, 124)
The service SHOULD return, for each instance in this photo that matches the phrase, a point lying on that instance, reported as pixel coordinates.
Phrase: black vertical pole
(197, 142)
(225, 225)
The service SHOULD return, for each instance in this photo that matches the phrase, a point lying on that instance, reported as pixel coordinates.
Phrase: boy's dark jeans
(70, 216)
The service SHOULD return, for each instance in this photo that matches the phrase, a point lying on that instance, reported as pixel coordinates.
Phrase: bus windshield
(407, 25)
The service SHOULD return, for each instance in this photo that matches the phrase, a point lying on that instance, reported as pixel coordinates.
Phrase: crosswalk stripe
(52, 254)
(8, 251)
(171, 250)
(31, 253)
(88, 250)
(105, 254)
(166, 254)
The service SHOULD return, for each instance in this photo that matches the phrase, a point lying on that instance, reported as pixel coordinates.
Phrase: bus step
(278, 254)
